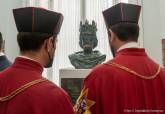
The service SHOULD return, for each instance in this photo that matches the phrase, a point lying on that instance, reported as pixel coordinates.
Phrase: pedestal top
(74, 73)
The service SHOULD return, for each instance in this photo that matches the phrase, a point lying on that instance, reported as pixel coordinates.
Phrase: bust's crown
(87, 28)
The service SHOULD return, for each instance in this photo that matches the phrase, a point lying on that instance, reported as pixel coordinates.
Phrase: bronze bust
(88, 41)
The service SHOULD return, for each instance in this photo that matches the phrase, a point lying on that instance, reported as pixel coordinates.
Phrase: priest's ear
(50, 43)
(112, 35)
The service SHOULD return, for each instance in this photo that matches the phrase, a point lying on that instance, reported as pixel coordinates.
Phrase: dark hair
(126, 31)
(31, 41)
(1, 40)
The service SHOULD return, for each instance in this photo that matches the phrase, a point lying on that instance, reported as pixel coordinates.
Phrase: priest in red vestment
(23, 90)
(130, 83)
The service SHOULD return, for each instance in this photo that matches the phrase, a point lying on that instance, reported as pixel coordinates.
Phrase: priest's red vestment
(131, 83)
(24, 91)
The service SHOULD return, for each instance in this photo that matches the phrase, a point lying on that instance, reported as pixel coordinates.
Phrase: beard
(50, 61)
(112, 50)
(111, 47)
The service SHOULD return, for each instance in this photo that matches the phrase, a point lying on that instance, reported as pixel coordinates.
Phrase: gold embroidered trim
(21, 89)
(83, 103)
(133, 72)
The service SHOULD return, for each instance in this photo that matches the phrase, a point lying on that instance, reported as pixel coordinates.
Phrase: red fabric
(42, 98)
(116, 91)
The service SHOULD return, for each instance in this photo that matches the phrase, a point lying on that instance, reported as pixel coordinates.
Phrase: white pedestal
(74, 73)
(71, 81)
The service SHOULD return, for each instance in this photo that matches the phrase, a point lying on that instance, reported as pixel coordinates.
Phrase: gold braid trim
(133, 72)
(21, 89)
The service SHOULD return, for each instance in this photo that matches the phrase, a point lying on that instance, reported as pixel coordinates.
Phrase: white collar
(2, 54)
(25, 57)
(129, 45)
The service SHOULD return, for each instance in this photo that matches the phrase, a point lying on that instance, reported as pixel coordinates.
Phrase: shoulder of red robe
(21, 89)
(113, 64)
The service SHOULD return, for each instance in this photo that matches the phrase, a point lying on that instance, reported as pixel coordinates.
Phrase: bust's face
(87, 41)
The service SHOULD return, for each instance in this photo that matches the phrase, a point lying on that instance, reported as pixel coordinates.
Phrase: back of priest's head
(37, 33)
(123, 19)
(34, 25)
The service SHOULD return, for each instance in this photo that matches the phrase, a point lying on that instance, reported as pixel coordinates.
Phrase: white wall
(153, 19)
(162, 18)
(3, 15)
(7, 26)
(152, 28)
